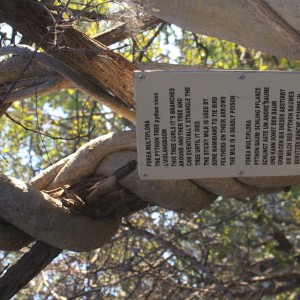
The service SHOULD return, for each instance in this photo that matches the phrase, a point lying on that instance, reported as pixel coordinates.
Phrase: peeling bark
(92, 59)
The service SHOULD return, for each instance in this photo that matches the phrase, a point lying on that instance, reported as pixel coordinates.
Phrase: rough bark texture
(178, 195)
(271, 26)
(49, 219)
(37, 79)
(93, 60)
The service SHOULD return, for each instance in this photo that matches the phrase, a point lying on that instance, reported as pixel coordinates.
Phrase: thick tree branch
(42, 254)
(36, 80)
(73, 75)
(45, 218)
(30, 265)
(272, 19)
(11, 69)
(91, 59)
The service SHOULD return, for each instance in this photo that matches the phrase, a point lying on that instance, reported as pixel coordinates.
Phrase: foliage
(248, 247)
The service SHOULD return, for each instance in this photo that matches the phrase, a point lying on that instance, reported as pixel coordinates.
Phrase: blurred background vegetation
(248, 248)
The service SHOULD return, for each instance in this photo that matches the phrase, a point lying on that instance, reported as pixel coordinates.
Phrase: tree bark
(103, 68)
(30, 265)
(46, 218)
(11, 68)
(272, 26)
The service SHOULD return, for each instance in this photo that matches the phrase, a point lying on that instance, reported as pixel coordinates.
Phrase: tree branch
(44, 133)
(125, 30)
(74, 76)
(272, 19)
(30, 265)
(92, 61)
(181, 253)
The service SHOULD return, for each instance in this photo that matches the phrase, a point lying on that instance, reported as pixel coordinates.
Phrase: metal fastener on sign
(242, 76)
(142, 76)
(240, 173)
(144, 174)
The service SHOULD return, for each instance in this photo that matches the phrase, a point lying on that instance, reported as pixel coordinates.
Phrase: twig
(200, 47)
(45, 134)
(141, 54)
(181, 253)
(31, 57)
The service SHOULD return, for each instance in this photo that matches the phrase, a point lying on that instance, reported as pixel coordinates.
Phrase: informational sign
(204, 124)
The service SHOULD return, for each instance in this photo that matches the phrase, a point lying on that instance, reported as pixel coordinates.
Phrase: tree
(71, 59)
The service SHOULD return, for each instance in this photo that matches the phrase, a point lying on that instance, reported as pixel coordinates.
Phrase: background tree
(237, 248)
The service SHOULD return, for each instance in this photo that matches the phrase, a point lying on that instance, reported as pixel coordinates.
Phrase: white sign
(203, 124)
